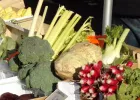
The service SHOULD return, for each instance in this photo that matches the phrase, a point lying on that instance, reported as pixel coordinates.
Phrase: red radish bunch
(94, 79)
(89, 76)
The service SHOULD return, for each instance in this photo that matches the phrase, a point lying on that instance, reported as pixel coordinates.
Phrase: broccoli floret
(42, 78)
(23, 72)
(34, 49)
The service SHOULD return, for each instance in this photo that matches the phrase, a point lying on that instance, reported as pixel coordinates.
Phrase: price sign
(57, 95)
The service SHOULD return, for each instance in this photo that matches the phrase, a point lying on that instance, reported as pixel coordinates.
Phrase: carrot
(93, 39)
(97, 40)
(138, 98)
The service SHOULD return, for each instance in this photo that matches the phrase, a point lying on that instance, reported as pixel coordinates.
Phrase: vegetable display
(101, 65)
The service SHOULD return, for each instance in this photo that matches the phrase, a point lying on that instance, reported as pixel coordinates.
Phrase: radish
(105, 75)
(94, 95)
(94, 73)
(129, 63)
(87, 94)
(92, 89)
(87, 68)
(121, 69)
(108, 94)
(90, 81)
(82, 72)
(84, 80)
(119, 77)
(85, 89)
(89, 75)
(104, 87)
(116, 71)
(112, 89)
(103, 81)
(98, 66)
(112, 81)
(113, 67)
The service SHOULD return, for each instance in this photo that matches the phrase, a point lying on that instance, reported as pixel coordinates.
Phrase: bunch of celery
(61, 33)
(114, 41)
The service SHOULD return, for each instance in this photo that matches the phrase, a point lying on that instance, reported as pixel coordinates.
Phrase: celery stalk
(42, 21)
(59, 26)
(85, 24)
(38, 8)
(57, 15)
(66, 32)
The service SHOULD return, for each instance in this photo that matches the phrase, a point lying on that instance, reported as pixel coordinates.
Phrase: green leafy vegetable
(130, 89)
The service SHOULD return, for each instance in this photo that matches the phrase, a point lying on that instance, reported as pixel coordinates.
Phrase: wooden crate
(136, 55)
(16, 31)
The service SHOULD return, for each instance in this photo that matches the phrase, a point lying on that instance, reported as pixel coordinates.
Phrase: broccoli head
(33, 50)
(42, 78)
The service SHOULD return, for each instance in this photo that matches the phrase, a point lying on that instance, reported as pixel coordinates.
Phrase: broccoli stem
(63, 36)
(57, 15)
(85, 24)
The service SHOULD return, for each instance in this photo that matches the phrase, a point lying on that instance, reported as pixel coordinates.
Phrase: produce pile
(11, 13)
(101, 65)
